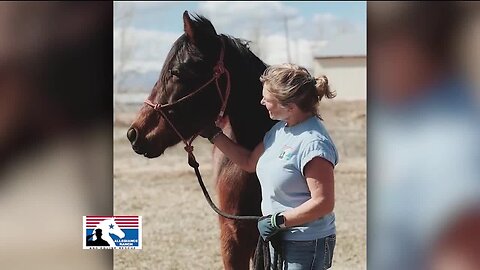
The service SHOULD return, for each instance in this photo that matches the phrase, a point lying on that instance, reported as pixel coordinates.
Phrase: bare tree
(124, 14)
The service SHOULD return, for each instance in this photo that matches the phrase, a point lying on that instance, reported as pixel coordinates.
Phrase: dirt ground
(180, 231)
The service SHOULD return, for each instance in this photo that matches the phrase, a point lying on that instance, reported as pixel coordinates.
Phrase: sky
(145, 31)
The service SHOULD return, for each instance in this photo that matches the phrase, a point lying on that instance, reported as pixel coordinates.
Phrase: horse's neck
(106, 235)
(249, 119)
(217, 155)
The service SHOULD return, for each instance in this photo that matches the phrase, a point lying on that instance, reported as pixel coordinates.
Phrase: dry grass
(180, 231)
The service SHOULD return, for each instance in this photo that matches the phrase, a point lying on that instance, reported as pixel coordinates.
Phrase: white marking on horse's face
(113, 228)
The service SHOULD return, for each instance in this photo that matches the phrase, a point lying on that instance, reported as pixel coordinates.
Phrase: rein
(218, 70)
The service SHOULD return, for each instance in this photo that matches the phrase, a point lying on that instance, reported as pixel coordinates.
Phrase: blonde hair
(291, 83)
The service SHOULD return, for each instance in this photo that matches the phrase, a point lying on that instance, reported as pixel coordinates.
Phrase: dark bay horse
(198, 61)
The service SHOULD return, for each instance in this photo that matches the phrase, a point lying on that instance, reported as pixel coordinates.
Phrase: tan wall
(347, 76)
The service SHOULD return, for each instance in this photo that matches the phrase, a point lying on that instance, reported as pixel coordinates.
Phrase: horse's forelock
(203, 24)
(180, 48)
(172, 57)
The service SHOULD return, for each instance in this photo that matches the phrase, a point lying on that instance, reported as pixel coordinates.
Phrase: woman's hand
(243, 157)
(210, 132)
(268, 226)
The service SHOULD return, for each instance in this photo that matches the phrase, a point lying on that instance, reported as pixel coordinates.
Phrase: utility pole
(257, 38)
(285, 21)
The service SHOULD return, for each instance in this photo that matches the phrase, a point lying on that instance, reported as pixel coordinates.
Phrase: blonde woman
(295, 164)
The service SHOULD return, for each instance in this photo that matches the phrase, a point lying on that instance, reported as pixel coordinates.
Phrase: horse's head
(108, 227)
(185, 97)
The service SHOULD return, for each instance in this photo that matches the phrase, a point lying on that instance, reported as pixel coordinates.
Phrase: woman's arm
(246, 159)
(319, 176)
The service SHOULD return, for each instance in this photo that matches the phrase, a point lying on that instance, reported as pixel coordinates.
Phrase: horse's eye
(174, 72)
(170, 111)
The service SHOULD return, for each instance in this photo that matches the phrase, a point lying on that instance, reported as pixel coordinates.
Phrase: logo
(287, 153)
(112, 232)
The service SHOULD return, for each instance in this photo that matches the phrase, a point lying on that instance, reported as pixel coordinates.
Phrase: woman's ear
(290, 107)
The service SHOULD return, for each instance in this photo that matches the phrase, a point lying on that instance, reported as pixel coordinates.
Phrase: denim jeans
(308, 255)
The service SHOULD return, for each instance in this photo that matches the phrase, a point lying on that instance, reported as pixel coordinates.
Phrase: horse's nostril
(132, 135)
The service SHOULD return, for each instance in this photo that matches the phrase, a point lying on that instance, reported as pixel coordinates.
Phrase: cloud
(234, 17)
(328, 26)
(225, 12)
(262, 23)
(276, 48)
(324, 18)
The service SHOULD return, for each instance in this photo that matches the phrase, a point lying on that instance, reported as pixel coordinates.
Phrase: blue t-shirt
(280, 171)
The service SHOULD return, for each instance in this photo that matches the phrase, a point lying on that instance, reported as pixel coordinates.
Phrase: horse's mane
(242, 47)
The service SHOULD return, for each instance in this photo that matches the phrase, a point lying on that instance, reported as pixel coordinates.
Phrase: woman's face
(275, 109)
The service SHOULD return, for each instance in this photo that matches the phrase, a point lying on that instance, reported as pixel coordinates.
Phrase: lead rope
(261, 259)
(194, 164)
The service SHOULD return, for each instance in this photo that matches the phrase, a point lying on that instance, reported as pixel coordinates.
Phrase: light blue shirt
(280, 171)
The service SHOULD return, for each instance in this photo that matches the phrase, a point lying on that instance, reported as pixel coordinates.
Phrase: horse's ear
(199, 31)
(188, 27)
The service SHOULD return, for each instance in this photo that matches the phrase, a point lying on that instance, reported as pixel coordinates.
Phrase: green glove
(268, 227)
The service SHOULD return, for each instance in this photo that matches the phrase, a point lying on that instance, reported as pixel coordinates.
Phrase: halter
(218, 70)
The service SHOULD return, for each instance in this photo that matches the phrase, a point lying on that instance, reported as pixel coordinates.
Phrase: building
(344, 61)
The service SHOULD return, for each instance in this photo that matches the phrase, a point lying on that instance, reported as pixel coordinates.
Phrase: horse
(108, 227)
(208, 77)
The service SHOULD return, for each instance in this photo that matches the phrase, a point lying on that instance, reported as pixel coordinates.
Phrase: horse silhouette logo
(112, 232)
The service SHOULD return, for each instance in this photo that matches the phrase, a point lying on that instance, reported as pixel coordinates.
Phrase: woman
(294, 164)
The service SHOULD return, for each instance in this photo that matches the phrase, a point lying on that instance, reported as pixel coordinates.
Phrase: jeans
(308, 255)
